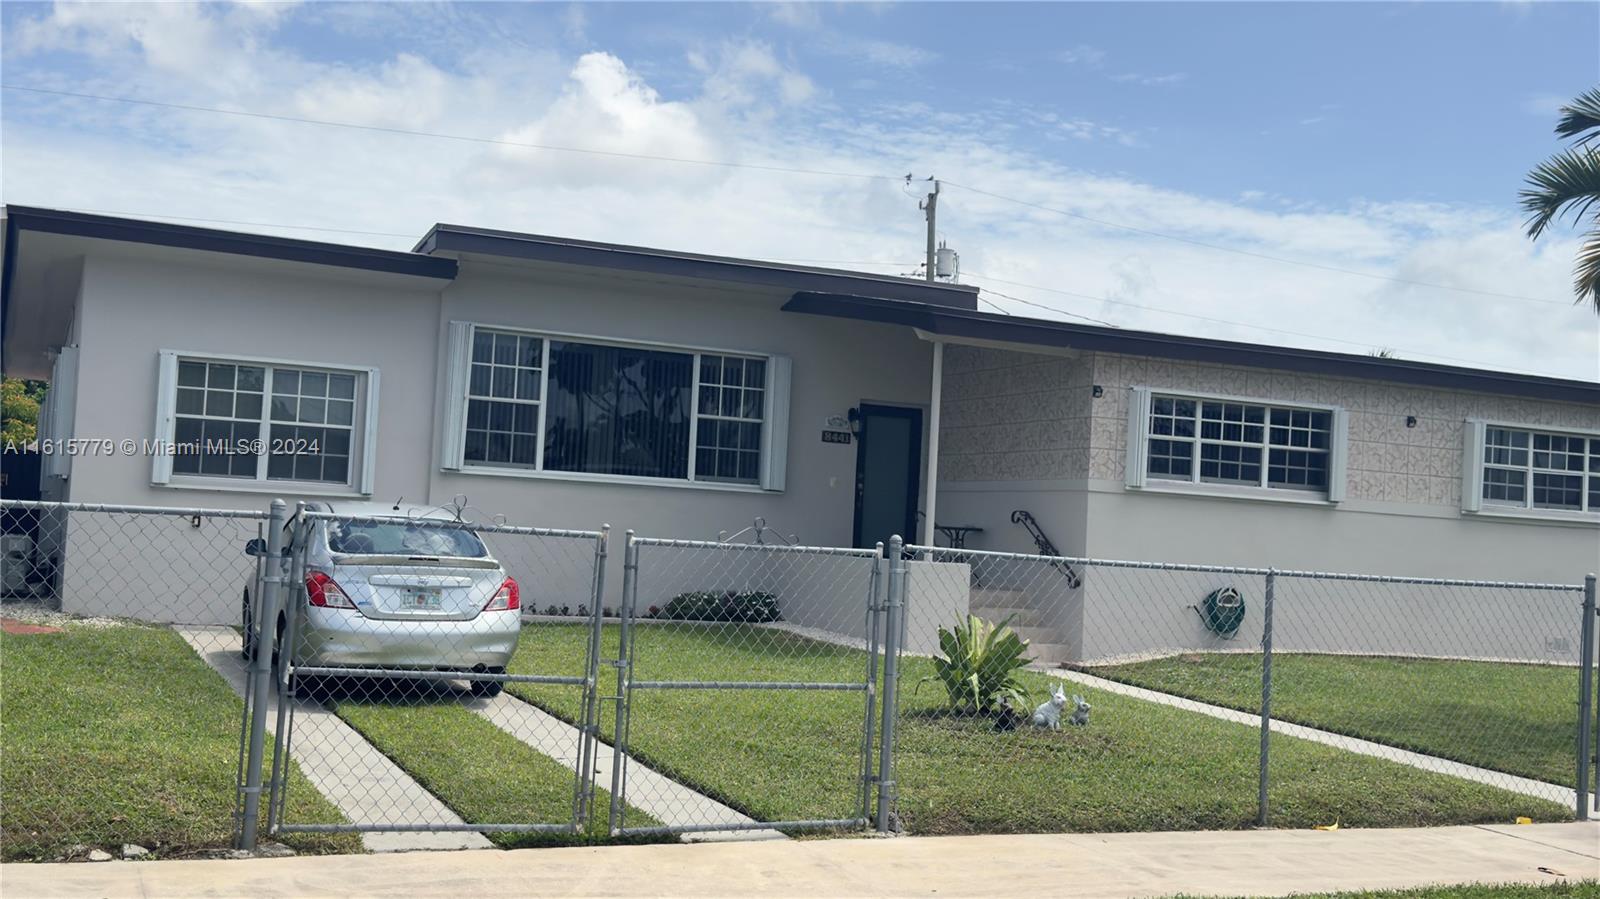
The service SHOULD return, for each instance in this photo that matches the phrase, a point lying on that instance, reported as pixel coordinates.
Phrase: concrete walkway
(658, 796)
(1538, 789)
(341, 764)
(1235, 863)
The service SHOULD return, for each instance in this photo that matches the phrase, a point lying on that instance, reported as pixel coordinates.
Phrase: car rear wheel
(488, 689)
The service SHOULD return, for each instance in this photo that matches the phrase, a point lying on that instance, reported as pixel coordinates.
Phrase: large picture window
(1194, 439)
(570, 406)
(258, 421)
(1529, 469)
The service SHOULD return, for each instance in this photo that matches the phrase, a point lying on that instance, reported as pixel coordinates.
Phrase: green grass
(1520, 719)
(122, 734)
(484, 774)
(1139, 766)
(1580, 889)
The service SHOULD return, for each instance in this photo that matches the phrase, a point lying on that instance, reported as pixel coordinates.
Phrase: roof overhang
(457, 239)
(972, 326)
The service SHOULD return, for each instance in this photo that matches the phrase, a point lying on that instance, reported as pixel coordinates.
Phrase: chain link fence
(1223, 696)
(748, 678)
(187, 678)
(123, 678)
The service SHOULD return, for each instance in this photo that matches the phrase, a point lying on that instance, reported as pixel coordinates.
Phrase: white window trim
(1138, 451)
(774, 428)
(1473, 505)
(365, 429)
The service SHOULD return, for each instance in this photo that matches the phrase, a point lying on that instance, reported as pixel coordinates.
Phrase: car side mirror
(255, 547)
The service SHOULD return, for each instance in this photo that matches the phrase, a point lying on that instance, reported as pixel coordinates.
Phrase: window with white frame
(581, 406)
(1525, 468)
(264, 421)
(1177, 438)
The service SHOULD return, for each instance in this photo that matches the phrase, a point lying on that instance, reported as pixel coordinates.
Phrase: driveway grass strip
(1518, 718)
(1138, 766)
(484, 774)
(1569, 889)
(121, 734)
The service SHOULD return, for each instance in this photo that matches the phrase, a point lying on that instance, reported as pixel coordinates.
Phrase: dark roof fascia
(444, 238)
(975, 325)
(82, 224)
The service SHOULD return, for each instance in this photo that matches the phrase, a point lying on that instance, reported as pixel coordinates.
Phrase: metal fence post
(1585, 698)
(589, 730)
(265, 622)
(895, 609)
(1266, 696)
(874, 605)
(630, 578)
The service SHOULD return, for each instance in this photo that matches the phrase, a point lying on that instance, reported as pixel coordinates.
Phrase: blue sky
(1385, 138)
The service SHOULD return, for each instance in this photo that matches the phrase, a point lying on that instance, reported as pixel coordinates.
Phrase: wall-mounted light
(854, 417)
(1411, 421)
(1099, 391)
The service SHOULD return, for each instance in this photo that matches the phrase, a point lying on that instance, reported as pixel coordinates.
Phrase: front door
(888, 461)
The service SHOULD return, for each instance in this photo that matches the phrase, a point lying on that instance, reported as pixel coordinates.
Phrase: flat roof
(989, 326)
(446, 238)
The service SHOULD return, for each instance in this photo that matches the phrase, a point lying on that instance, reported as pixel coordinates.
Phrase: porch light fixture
(854, 417)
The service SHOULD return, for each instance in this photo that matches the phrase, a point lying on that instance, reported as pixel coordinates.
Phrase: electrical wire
(1223, 321)
(1251, 253)
(793, 170)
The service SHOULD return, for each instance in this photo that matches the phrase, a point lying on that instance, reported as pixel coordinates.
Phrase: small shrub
(748, 606)
(566, 610)
(552, 609)
(608, 612)
(654, 611)
(979, 666)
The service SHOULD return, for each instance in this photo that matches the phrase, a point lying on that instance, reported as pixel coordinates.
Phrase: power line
(382, 129)
(793, 170)
(1251, 253)
(1223, 321)
(991, 290)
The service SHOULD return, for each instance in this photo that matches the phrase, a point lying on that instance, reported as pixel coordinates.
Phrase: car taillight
(505, 599)
(325, 592)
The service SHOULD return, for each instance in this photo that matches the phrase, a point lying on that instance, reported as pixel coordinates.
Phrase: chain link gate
(720, 644)
(383, 617)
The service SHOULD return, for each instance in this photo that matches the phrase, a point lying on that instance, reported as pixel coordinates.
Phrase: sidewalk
(1264, 863)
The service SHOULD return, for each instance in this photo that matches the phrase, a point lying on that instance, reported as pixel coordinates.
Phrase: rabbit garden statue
(1048, 714)
(1080, 711)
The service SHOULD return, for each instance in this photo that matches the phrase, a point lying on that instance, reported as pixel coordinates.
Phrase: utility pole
(930, 207)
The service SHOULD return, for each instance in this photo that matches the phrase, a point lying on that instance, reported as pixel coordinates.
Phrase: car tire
(487, 689)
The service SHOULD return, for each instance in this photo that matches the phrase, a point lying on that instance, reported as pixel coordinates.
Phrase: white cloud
(747, 102)
(1150, 80)
(1082, 54)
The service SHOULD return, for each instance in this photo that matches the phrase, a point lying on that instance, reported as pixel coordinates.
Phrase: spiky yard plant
(980, 665)
(1569, 183)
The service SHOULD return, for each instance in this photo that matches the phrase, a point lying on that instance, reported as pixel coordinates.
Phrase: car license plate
(421, 601)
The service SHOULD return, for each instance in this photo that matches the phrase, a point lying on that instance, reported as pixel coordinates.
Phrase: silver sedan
(388, 589)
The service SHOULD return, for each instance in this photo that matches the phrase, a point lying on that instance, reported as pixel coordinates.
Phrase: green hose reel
(1222, 611)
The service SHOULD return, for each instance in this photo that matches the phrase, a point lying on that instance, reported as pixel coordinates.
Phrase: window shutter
(1338, 452)
(57, 411)
(1138, 435)
(1472, 466)
(369, 436)
(166, 403)
(458, 356)
(775, 429)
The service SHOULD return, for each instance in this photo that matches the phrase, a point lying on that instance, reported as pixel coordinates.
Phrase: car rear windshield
(402, 538)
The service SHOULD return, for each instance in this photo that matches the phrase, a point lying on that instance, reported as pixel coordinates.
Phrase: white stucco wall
(138, 301)
(1402, 516)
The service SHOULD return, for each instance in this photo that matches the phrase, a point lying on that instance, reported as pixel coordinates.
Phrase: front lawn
(1138, 766)
(1520, 719)
(121, 734)
(1562, 889)
(486, 775)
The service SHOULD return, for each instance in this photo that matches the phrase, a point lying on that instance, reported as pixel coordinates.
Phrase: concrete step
(1020, 617)
(1049, 653)
(1038, 635)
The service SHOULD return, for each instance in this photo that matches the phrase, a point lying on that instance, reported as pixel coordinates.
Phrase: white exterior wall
(139, 301)
(1402, 515)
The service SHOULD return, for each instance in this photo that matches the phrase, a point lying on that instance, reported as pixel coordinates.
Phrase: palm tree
(1570, 182)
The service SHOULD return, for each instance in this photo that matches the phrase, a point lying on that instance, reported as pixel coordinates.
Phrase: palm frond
(1586, 274)
(1581, 117)
(1566, 182)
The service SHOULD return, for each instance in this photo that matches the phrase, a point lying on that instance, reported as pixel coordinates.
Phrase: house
(569, 383)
